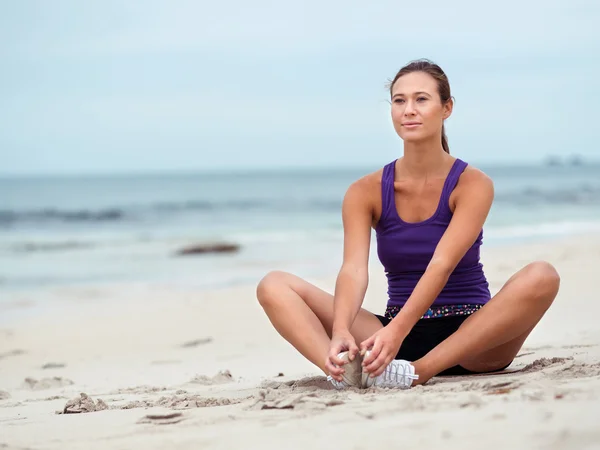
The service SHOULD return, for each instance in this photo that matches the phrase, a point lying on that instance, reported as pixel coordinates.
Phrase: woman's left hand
(384, 346)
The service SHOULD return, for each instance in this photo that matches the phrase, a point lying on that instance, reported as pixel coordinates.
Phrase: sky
(147, 86)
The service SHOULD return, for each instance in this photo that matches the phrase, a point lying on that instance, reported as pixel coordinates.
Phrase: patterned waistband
(438, 311)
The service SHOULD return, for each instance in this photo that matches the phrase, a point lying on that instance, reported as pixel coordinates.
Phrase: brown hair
(435, 71)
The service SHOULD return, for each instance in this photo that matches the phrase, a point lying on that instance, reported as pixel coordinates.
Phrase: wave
(296, 241)
(116, 214)
(544, 229)
(168, 244)
(254, 204)
(29, 247)
(53, 215)
(581, 195)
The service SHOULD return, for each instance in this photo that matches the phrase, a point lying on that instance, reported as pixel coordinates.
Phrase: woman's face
(417, 110)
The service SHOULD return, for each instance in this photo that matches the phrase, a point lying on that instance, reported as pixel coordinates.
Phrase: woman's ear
(448, 107)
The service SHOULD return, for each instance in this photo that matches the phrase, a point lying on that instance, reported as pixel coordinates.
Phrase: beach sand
(167, 367)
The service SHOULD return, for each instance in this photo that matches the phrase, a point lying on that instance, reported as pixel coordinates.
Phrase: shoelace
(336, 383)
(393, 373)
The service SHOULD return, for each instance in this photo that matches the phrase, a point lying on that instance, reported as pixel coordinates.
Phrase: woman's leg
(492, 337)
(303, 314)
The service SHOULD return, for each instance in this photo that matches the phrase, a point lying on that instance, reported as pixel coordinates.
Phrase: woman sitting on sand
(428, 210)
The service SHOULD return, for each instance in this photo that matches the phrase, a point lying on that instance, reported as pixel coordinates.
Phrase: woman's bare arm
(353, 278)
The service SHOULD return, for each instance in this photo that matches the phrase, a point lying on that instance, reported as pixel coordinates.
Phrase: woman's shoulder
(367, 185)
(472, 183)
(473, 177)
(364, 194)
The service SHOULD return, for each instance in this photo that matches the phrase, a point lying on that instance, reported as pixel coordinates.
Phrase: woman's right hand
(341, 341)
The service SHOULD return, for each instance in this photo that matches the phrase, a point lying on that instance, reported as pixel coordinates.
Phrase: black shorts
(427, 334)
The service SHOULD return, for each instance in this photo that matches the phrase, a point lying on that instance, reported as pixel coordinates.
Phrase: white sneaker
(398, 374)
(352, 372)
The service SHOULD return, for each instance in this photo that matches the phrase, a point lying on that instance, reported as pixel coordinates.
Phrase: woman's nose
(409, 109)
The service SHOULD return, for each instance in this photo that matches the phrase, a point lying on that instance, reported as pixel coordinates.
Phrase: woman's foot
(398, 374)
(352, 376)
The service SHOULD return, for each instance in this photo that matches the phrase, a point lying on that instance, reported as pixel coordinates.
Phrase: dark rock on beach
(212, 247)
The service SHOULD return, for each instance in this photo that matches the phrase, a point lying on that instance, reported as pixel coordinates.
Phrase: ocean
(57, 231)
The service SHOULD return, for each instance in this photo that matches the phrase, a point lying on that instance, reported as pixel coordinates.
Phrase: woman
(428, 210)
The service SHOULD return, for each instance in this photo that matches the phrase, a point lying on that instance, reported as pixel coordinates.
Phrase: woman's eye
(398, 100)
(421, 98)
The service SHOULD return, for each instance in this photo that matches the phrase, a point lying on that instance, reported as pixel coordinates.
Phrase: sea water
(127, 228)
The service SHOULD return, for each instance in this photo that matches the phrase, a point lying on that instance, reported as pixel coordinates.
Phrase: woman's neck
(423, 159)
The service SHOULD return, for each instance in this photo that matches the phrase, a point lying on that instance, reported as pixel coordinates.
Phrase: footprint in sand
(138, 390)
(15, 352)
(46, 383)
(197, 342)
(570, 369)
(183, 402)
(220, 378)
(165, 362)
(580, 346)
(85, 404)
(307, 384)
(269, 399)
(542, 363)
(53, 365)
(576, 370)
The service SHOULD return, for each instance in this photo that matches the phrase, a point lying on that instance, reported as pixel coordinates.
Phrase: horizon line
(545, 162)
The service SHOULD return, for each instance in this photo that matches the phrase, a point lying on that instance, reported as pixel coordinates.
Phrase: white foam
(544, 229)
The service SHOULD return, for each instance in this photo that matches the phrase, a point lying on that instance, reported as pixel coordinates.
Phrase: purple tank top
(405, 249)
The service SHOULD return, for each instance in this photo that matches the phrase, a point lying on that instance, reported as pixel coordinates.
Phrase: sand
(155, 367)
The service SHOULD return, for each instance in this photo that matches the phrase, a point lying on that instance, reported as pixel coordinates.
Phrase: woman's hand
(341, 341)
(384, 346)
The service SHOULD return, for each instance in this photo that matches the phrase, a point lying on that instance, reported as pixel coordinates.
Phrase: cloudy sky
(113, 86)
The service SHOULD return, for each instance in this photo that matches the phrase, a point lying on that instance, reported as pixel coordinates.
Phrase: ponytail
(445, 140)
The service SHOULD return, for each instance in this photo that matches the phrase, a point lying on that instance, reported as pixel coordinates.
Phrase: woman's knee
(270, 286)
(544, 279)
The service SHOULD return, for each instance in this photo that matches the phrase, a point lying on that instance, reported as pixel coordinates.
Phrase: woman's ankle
(422, 371)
